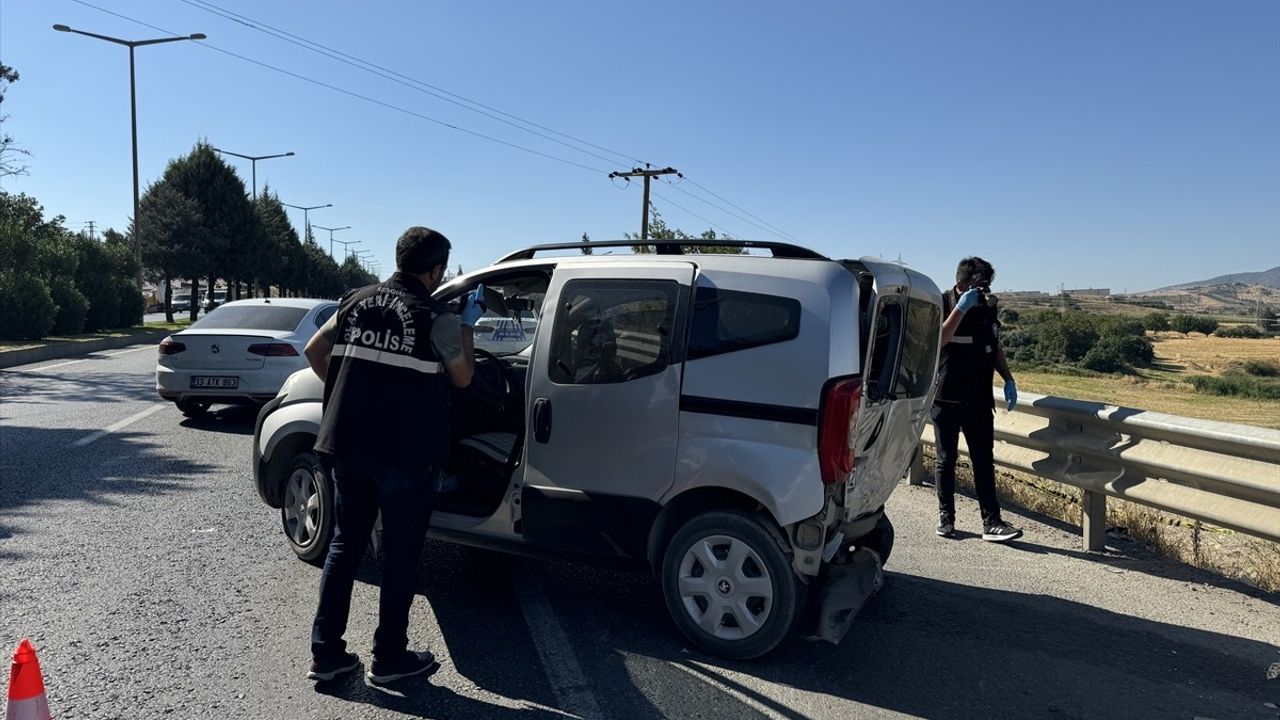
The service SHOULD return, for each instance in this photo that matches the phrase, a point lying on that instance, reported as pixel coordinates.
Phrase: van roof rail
(667, 247)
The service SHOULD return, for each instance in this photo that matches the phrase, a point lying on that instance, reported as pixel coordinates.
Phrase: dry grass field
(1163, 387)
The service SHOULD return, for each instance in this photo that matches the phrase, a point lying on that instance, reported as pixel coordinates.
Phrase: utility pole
(92, 236)
(645, 173)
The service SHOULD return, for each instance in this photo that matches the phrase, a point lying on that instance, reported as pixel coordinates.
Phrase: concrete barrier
(59, 350)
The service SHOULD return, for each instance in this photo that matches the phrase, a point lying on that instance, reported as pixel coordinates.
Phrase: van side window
(886, 338)
(612, 331)
(726, 321)
(920, 350)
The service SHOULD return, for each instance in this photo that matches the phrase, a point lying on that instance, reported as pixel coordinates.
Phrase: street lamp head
(198, 36)
(289, 154)
(62, 28)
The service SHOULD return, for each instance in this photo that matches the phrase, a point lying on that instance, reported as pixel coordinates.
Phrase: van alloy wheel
(725, 587)
(306, 515)
(301, 507)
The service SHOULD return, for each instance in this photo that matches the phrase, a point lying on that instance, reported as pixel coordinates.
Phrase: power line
(466, 103)
(775, 228)
(354, 94)
(681, 207)
(408, 81)
(439, 93)
(676, 186)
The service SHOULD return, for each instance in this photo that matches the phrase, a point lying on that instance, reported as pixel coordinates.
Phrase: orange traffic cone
(26, 686)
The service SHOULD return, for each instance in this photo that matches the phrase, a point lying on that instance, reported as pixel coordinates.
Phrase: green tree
(172, 232)
(10, 153)
(278, 241)
(228, 225)
(587, 250)
(660, 231)
(354, 275)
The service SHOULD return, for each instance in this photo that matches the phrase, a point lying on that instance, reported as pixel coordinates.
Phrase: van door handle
(542, 420)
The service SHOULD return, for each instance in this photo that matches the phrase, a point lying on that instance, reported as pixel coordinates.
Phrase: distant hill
(1266, 278)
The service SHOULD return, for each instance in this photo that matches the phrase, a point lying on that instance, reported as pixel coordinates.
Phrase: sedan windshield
(252, 317)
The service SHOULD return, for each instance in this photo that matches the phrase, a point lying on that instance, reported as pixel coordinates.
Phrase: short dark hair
(975, 271)
(420, 250)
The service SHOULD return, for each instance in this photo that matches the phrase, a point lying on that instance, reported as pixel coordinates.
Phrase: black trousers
(977, 422)
(405, 499)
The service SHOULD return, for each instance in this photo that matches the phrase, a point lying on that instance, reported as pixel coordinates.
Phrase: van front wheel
(729, 586)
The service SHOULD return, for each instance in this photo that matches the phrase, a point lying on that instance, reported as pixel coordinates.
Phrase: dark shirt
(386, 393)
(966, 364)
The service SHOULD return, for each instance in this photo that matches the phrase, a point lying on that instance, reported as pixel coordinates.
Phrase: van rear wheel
(729, 586)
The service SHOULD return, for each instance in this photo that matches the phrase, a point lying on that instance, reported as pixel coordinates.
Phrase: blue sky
(1108, 144)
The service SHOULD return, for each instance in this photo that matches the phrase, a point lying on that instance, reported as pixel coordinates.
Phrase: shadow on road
(923, 647)
(42, 387)
(44, 465)
(231, 419)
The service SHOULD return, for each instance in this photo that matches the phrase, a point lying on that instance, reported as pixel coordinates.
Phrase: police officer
(970, 353)
(387, 358)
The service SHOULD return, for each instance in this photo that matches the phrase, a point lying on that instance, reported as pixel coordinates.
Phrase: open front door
(604, 403)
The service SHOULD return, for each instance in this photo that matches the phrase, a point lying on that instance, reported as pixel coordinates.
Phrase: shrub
(1103, 357)
(130, 305)
(1248, 332)
(72, 306)
(1235, 384)
(26, 306)
(1261, 368)
(1193, 323)
(1155, 322)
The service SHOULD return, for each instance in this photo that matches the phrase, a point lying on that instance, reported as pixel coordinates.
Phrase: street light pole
(254, 160)
(133, 113)
(331, 232)
(306, 216)
(346, 247)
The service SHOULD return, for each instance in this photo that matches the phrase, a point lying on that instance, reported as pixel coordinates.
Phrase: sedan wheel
(729, 586)
(306, 514)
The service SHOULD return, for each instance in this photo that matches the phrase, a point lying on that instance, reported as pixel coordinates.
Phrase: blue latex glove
(1011, 393)
(472, 306)
(968, 299)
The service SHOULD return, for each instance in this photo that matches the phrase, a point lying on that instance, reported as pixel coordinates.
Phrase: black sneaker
(330, 669)
(946, 527)
(1000, 531)
(408, 665)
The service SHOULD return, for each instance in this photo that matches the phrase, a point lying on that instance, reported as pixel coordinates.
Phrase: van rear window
(920, 351)
(726, 321)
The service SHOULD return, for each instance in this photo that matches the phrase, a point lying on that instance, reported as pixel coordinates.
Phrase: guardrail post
(916, 474)
(1094, 520)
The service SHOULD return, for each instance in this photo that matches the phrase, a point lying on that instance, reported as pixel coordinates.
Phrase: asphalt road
(136, 555)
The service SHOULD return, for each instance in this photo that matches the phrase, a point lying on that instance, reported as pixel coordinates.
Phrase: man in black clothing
(971, 352)
(387, 358)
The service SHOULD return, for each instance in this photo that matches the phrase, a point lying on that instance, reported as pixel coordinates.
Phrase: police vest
(386, 395)
(966, 364)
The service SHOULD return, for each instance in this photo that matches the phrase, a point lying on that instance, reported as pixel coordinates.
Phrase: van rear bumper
(842, 591)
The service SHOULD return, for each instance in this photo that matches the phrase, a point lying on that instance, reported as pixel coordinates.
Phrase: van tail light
(274, 350)
(840, 400)
(169, 346)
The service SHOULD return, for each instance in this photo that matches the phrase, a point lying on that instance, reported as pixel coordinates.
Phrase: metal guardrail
(1221, 473)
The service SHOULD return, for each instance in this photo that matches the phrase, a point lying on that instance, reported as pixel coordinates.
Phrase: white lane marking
(707, 675)
(131, 350)
(118, 426)
(569, 685)
(73, 362)
(58, 365)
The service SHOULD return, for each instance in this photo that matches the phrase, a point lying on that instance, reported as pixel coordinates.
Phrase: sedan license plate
(215, 381)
